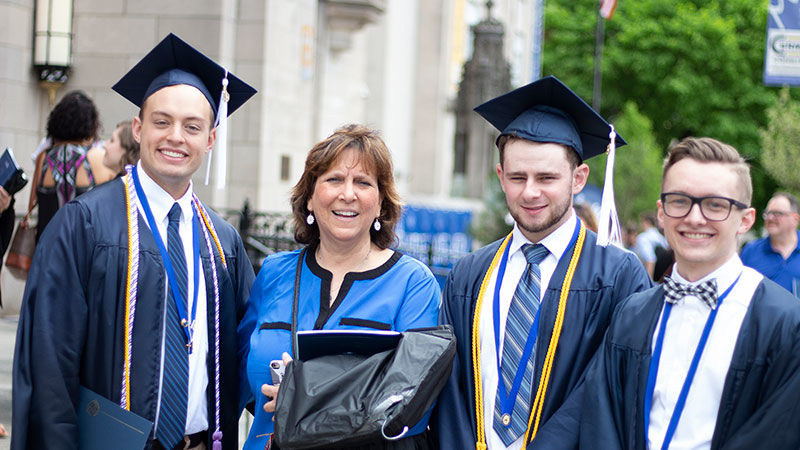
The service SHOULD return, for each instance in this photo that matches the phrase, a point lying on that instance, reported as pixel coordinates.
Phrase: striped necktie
(521, 314)
(175, 384)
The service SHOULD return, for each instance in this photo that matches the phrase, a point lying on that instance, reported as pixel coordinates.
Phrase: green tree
(693, 67)
(490, 224)
(781, 141)
(637, 167)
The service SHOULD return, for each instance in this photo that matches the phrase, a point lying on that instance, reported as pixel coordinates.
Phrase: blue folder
(103, 424)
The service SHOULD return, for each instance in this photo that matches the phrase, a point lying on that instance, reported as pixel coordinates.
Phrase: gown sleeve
(246, 327)
(561, 430)
(51, 335)
(247, 319)
(451, 423)
(776, 418)
(600, 423)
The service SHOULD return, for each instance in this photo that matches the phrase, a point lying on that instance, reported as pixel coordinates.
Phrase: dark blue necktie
(175, 385)
(518, 325)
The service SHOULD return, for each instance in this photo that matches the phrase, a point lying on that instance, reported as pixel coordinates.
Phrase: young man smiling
(530, 310)
(136, 288)
(711, 358)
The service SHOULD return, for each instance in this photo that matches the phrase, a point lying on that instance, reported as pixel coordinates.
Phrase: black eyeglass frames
(713, 208)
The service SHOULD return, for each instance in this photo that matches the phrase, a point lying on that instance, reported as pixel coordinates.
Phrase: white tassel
(221, 156)
(608, 230)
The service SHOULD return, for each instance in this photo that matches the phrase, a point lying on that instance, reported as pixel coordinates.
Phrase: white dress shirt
(161, 202)
(683, 330)
(556, 242)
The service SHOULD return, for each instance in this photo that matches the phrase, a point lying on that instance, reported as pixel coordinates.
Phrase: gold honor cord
(544, 378)
(476, 347)
(210, 227)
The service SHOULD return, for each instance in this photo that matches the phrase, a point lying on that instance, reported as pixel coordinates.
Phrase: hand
(272, 391)
(5, 199)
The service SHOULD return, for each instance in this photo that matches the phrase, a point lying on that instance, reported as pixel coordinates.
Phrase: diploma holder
(103, 424)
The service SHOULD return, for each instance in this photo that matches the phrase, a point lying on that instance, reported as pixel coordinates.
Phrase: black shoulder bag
(350, 399)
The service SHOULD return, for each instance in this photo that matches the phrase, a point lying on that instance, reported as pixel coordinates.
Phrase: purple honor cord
(176, 294)
(652, 373)
(507, 400)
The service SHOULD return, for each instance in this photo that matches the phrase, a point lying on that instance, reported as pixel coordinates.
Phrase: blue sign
(782, 56)
(437, 237)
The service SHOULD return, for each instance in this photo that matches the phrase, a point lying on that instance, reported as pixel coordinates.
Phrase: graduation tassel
(221, 155)
(608, 231)
(217, 445)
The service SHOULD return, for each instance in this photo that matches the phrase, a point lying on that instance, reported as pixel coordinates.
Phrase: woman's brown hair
(374, 157)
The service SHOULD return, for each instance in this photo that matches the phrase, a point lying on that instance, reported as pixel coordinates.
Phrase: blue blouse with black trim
(400, 294)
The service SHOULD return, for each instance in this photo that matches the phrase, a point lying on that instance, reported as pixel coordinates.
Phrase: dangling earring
(377, 224)
(310, 219)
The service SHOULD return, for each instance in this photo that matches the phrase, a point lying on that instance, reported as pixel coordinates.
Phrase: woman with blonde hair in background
(109, 160)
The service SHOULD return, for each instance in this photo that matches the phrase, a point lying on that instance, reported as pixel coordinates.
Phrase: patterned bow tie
(706, 291)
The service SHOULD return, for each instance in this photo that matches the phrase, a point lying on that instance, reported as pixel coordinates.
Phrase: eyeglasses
(714, 209)
(775, 214)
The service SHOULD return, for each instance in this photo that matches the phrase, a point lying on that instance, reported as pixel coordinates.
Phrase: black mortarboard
(172, 62)
(548, 111)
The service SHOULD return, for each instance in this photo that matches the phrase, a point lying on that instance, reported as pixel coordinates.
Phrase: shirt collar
(555, 242)
(161, 201)
(725, 274)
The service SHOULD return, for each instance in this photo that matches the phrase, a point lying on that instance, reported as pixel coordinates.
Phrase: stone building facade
(317, 64)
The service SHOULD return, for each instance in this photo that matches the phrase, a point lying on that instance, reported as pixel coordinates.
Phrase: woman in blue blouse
(345, 209)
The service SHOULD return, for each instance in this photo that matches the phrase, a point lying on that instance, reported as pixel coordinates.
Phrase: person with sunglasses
(710, 358)
(777, 256)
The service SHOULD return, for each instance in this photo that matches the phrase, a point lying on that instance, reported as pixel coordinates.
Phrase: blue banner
(437, 237)
(782, 56)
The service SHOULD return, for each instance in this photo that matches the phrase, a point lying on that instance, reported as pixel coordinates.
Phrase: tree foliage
(490, 224)
(693, 67)
(781, 141)
(637, 167)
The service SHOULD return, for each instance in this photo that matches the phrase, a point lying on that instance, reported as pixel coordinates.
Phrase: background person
(109, 160)
(345, 210)
(7, 219)
(649, 243)
(83, 299)
(585, 213)
(62, 170)
(710, 358)
(777, 256)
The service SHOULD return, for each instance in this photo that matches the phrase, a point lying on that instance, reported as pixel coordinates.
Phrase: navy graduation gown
(760, 404)
(71, 324)
(604, 277)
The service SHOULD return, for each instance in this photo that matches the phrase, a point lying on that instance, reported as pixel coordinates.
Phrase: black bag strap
(295, 300)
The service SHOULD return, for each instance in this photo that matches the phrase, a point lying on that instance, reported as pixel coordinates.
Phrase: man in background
(777, 256)
(649, 242)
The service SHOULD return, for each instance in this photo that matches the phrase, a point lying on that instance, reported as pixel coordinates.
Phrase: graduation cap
(548, 111)
(174, 62)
